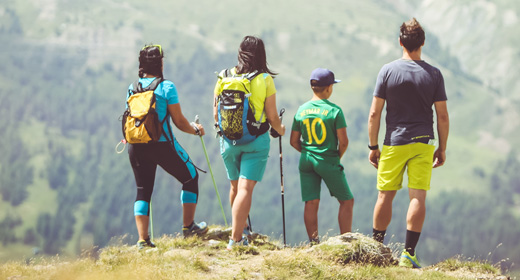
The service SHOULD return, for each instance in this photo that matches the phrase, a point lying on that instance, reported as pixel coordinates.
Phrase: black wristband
(376, 147)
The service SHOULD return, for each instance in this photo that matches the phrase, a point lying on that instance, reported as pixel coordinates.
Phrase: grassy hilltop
(195, 258)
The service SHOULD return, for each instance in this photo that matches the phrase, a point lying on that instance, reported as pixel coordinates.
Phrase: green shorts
(246, 161)
(313, 170)
(417, 157)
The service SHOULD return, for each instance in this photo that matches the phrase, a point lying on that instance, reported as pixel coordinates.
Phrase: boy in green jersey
(319, 133)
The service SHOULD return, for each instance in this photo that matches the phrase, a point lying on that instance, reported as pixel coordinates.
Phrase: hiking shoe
(195, 229)
(141, 244)
(232, 243)
(408, 260)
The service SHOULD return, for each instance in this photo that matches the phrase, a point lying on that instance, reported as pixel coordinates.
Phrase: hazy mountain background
(65, 66)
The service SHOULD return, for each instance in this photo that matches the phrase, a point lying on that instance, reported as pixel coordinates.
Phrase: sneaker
(195, 229)
(408, 260)
(314, 241)
(141, 244)
(232, 243)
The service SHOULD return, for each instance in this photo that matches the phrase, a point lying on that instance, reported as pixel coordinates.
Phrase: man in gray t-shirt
(409, 87)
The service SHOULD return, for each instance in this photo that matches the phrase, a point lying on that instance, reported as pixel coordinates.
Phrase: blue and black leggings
(144, 159)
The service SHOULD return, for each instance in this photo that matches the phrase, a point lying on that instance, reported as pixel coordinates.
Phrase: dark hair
(251, 56)
(150, 61)
(411, 35)
(316, 88)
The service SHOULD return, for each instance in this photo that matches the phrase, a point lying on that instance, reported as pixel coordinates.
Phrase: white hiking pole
(281, 182)
(211, 172)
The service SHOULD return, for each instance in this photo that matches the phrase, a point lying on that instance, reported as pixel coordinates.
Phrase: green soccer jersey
(317, 121)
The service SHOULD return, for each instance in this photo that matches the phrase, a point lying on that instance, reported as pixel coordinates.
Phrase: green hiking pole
(281, 182)
(211, 172)
(151, 220)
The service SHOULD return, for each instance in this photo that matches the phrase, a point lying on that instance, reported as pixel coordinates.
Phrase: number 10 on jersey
(311, 130)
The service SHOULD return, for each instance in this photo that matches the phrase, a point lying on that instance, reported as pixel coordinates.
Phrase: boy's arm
(342, 141)
(443, 128)
(295, 140)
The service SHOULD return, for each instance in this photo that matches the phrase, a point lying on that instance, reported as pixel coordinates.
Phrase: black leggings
(144, 159)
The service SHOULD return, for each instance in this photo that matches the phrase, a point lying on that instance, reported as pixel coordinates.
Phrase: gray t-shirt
(410, 87)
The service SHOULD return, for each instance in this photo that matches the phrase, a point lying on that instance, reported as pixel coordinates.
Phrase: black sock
(412, 238)
(314, 241)
(378, 235)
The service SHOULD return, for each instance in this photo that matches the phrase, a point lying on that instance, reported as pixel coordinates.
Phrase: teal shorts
(246, 161)
(314, 169)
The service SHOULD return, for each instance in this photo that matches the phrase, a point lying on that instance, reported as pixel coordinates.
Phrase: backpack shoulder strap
(153, 85)
(224, 73)
(252, 75)
(136, 87)
(228, 73)
(264, 76)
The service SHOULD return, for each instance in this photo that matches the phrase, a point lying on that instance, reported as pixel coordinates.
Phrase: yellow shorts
(417, 157)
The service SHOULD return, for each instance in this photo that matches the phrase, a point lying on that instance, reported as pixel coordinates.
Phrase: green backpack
(236, 116)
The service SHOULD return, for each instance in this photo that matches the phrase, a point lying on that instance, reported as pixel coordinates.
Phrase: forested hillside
(66, 66)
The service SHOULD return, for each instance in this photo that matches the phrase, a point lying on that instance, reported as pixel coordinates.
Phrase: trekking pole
(211, 172)
(151, 220)
(281, 182)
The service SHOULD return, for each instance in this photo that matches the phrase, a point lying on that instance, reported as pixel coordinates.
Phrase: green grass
(457, 263)
(195, 258)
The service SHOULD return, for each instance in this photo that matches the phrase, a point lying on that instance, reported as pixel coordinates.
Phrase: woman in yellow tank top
(245, 164)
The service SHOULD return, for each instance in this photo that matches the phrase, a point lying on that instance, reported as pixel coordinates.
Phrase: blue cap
(323, 77)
